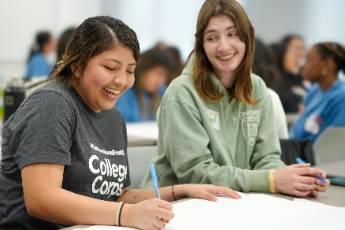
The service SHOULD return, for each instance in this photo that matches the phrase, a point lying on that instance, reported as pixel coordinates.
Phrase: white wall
(21, 19)
(172, 21)
(315, 20)
(158, 20)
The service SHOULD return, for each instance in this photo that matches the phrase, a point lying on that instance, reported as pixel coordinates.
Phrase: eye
(211, 38)
(232, 34)
(130, 72)
(111, 68)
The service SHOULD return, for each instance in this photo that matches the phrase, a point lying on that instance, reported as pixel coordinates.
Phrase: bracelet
(117, 214)
(271, 181)
(172, 192)
(123, 205)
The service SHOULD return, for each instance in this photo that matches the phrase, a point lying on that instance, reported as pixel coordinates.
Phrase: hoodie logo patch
(214, 118)
(250, 121)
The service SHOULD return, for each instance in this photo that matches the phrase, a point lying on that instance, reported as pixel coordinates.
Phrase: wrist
(179, 191)
(126, 217)
(271, 181)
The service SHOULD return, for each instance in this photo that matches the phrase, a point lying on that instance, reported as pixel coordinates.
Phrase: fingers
(308, 171)
(158, 223)
(306, 187)
(301, 193)
(304, 165)
(307, 180)
(208, 196)
(224, 191)
(162, 203)
(164, 215)
(314, 193)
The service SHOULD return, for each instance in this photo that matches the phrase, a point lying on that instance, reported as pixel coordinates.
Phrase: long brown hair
(94, 36)
(202, 68)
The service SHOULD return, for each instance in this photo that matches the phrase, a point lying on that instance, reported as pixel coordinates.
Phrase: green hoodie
(224, 143)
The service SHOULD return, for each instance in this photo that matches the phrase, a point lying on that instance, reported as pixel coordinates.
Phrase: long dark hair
(92, 37)
(41, 38)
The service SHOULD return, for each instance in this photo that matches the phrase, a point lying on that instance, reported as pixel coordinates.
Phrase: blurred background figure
(176, 60)
(290, 55)
(325, 101)
(140, 103)
(63, 40)
(265, 67)
(42, 56)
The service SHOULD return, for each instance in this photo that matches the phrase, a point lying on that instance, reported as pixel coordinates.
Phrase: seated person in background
(42, 56)
(175, 55)
(325, 102)
(63, 41)
(216, 121)
(140, 102)
(65, 149)
(264, 67)
(290, 87)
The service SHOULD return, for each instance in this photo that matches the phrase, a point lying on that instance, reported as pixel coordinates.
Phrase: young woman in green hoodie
(216, 121)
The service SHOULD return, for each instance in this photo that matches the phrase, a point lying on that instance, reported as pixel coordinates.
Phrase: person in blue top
(325, 102)
(42, 56)
(141, 102)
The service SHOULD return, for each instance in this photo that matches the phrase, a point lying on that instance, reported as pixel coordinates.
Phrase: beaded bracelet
(117, 214)
(271, 181)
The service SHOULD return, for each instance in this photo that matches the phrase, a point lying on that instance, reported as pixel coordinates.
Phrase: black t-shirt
(54, 125)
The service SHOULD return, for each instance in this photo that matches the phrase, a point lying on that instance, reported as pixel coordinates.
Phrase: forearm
(64, 207)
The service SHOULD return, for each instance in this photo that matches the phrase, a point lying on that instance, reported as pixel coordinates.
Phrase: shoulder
(259, 87)
(183, 84)
(37, 58)
(53, 95)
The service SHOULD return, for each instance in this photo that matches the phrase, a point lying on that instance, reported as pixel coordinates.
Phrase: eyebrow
(114, 60)
(213, 30)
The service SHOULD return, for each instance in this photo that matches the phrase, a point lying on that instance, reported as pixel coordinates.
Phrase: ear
(76, 70)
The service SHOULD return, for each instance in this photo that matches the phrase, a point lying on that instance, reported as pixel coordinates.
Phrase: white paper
(143, 129)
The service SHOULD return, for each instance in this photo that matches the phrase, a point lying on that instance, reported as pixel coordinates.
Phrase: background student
(65, 149)
(325, 101)
(216, 119)
(140, 103)
(265, 68)
(42, 56)
(290, 86)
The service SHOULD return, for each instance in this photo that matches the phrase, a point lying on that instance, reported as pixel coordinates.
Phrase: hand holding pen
(300, 180)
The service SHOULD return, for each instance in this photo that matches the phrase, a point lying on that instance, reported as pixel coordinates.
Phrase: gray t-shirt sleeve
(43, 130)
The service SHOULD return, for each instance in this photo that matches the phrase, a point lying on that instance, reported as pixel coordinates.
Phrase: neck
(327, 82)
(227, 79)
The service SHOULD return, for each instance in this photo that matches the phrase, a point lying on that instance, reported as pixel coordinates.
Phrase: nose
(121, 79)
(223, 44)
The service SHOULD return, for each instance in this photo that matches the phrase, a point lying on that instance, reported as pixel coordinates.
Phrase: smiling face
(223, 47)
(106, 77)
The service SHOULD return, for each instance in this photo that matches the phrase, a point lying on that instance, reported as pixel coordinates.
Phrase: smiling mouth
(226, 57)
(112, 91)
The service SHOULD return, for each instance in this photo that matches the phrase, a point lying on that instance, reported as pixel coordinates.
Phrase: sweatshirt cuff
(258, 181)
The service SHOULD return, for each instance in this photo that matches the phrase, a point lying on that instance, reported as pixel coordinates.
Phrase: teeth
(113, 91)
(227, 57)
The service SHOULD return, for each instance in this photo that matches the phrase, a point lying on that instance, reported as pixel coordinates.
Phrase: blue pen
(155, 180)
(318, 176)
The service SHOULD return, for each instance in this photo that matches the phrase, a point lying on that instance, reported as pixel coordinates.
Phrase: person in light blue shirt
(325, 101)
(140, 103)
(42, 56)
